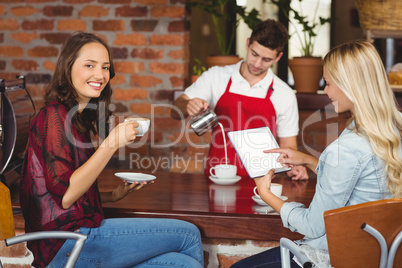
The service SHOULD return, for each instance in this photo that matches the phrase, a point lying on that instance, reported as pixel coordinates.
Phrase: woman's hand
(264, 190)
(122, 135)
(298, 173)
(264, 183)
(290, 158)
(122, 190)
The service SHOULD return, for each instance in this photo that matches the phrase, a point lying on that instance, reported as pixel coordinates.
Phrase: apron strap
(229, 84)
(270, 89)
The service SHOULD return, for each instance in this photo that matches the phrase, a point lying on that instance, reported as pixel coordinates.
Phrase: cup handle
(255, 191)
(210, 171)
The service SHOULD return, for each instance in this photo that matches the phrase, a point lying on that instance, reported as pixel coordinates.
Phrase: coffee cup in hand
(143, 125)
(276, 189)
(223, 171)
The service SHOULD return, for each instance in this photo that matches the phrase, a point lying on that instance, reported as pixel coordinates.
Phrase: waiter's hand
(298, 173)
(196, 105)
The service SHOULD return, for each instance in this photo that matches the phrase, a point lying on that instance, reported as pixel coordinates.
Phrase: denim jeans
(270, 258)
(137, 243)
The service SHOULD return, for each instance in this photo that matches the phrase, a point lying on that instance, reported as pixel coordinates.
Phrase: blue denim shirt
(348, 173)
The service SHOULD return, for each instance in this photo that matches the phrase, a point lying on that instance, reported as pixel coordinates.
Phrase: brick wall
(150, 44)
(223, 253)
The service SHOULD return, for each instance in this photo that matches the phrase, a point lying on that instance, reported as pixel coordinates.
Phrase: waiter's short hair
(271, 34)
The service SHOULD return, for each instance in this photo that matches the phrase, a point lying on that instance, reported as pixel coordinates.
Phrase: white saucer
(225, 181)
(267, 210)
(261, 202)
(133, 177)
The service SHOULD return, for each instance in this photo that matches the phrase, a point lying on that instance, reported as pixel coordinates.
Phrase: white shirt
(211, 85)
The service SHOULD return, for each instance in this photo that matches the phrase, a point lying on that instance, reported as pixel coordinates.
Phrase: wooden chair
(351, 246)
(6, 214)
(7, 230)
(75, 252)
(364, 235)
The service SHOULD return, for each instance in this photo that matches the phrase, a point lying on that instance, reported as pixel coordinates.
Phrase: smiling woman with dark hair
(59, 188)
(61, 87)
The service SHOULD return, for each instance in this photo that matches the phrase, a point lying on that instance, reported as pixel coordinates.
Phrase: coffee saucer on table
(225, 181)
(266, 210)
(261, 202)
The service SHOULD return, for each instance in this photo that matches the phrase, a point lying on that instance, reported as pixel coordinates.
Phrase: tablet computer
(250, 145)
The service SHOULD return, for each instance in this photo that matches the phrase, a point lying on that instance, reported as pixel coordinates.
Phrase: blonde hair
(357, 69)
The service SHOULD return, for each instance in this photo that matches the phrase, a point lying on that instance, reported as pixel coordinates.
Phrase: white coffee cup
(223, 171)
(143, 125)
(276, 189)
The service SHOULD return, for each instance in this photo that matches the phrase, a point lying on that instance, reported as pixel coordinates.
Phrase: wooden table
(219, 211)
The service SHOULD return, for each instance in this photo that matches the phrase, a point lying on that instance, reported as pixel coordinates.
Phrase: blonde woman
(364, 164)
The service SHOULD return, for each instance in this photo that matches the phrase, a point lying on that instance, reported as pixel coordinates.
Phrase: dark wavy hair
(271, 34)
(61, 88)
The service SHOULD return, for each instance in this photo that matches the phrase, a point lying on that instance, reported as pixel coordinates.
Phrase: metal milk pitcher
(203, 122)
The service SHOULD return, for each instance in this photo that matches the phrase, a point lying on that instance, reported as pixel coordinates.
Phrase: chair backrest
(349, 245)
(16, 111)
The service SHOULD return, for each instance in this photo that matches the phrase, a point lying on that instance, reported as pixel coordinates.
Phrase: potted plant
(198, 69)
(218, 9)
(307, 69)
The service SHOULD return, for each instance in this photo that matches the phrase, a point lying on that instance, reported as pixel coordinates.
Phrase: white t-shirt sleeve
(211, 84)
(201, 88)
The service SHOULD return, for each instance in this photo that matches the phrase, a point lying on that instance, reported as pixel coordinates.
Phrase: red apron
(237, 112)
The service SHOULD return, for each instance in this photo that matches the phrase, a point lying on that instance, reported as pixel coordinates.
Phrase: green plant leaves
(309, 25)
(218, 9)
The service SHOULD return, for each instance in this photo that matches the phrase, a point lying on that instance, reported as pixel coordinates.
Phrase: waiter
(247, 95)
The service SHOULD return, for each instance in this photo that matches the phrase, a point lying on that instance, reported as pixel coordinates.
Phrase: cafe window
(307, 8)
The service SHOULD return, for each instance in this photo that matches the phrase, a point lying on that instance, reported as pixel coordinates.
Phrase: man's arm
(180, 108)
(188, 107)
